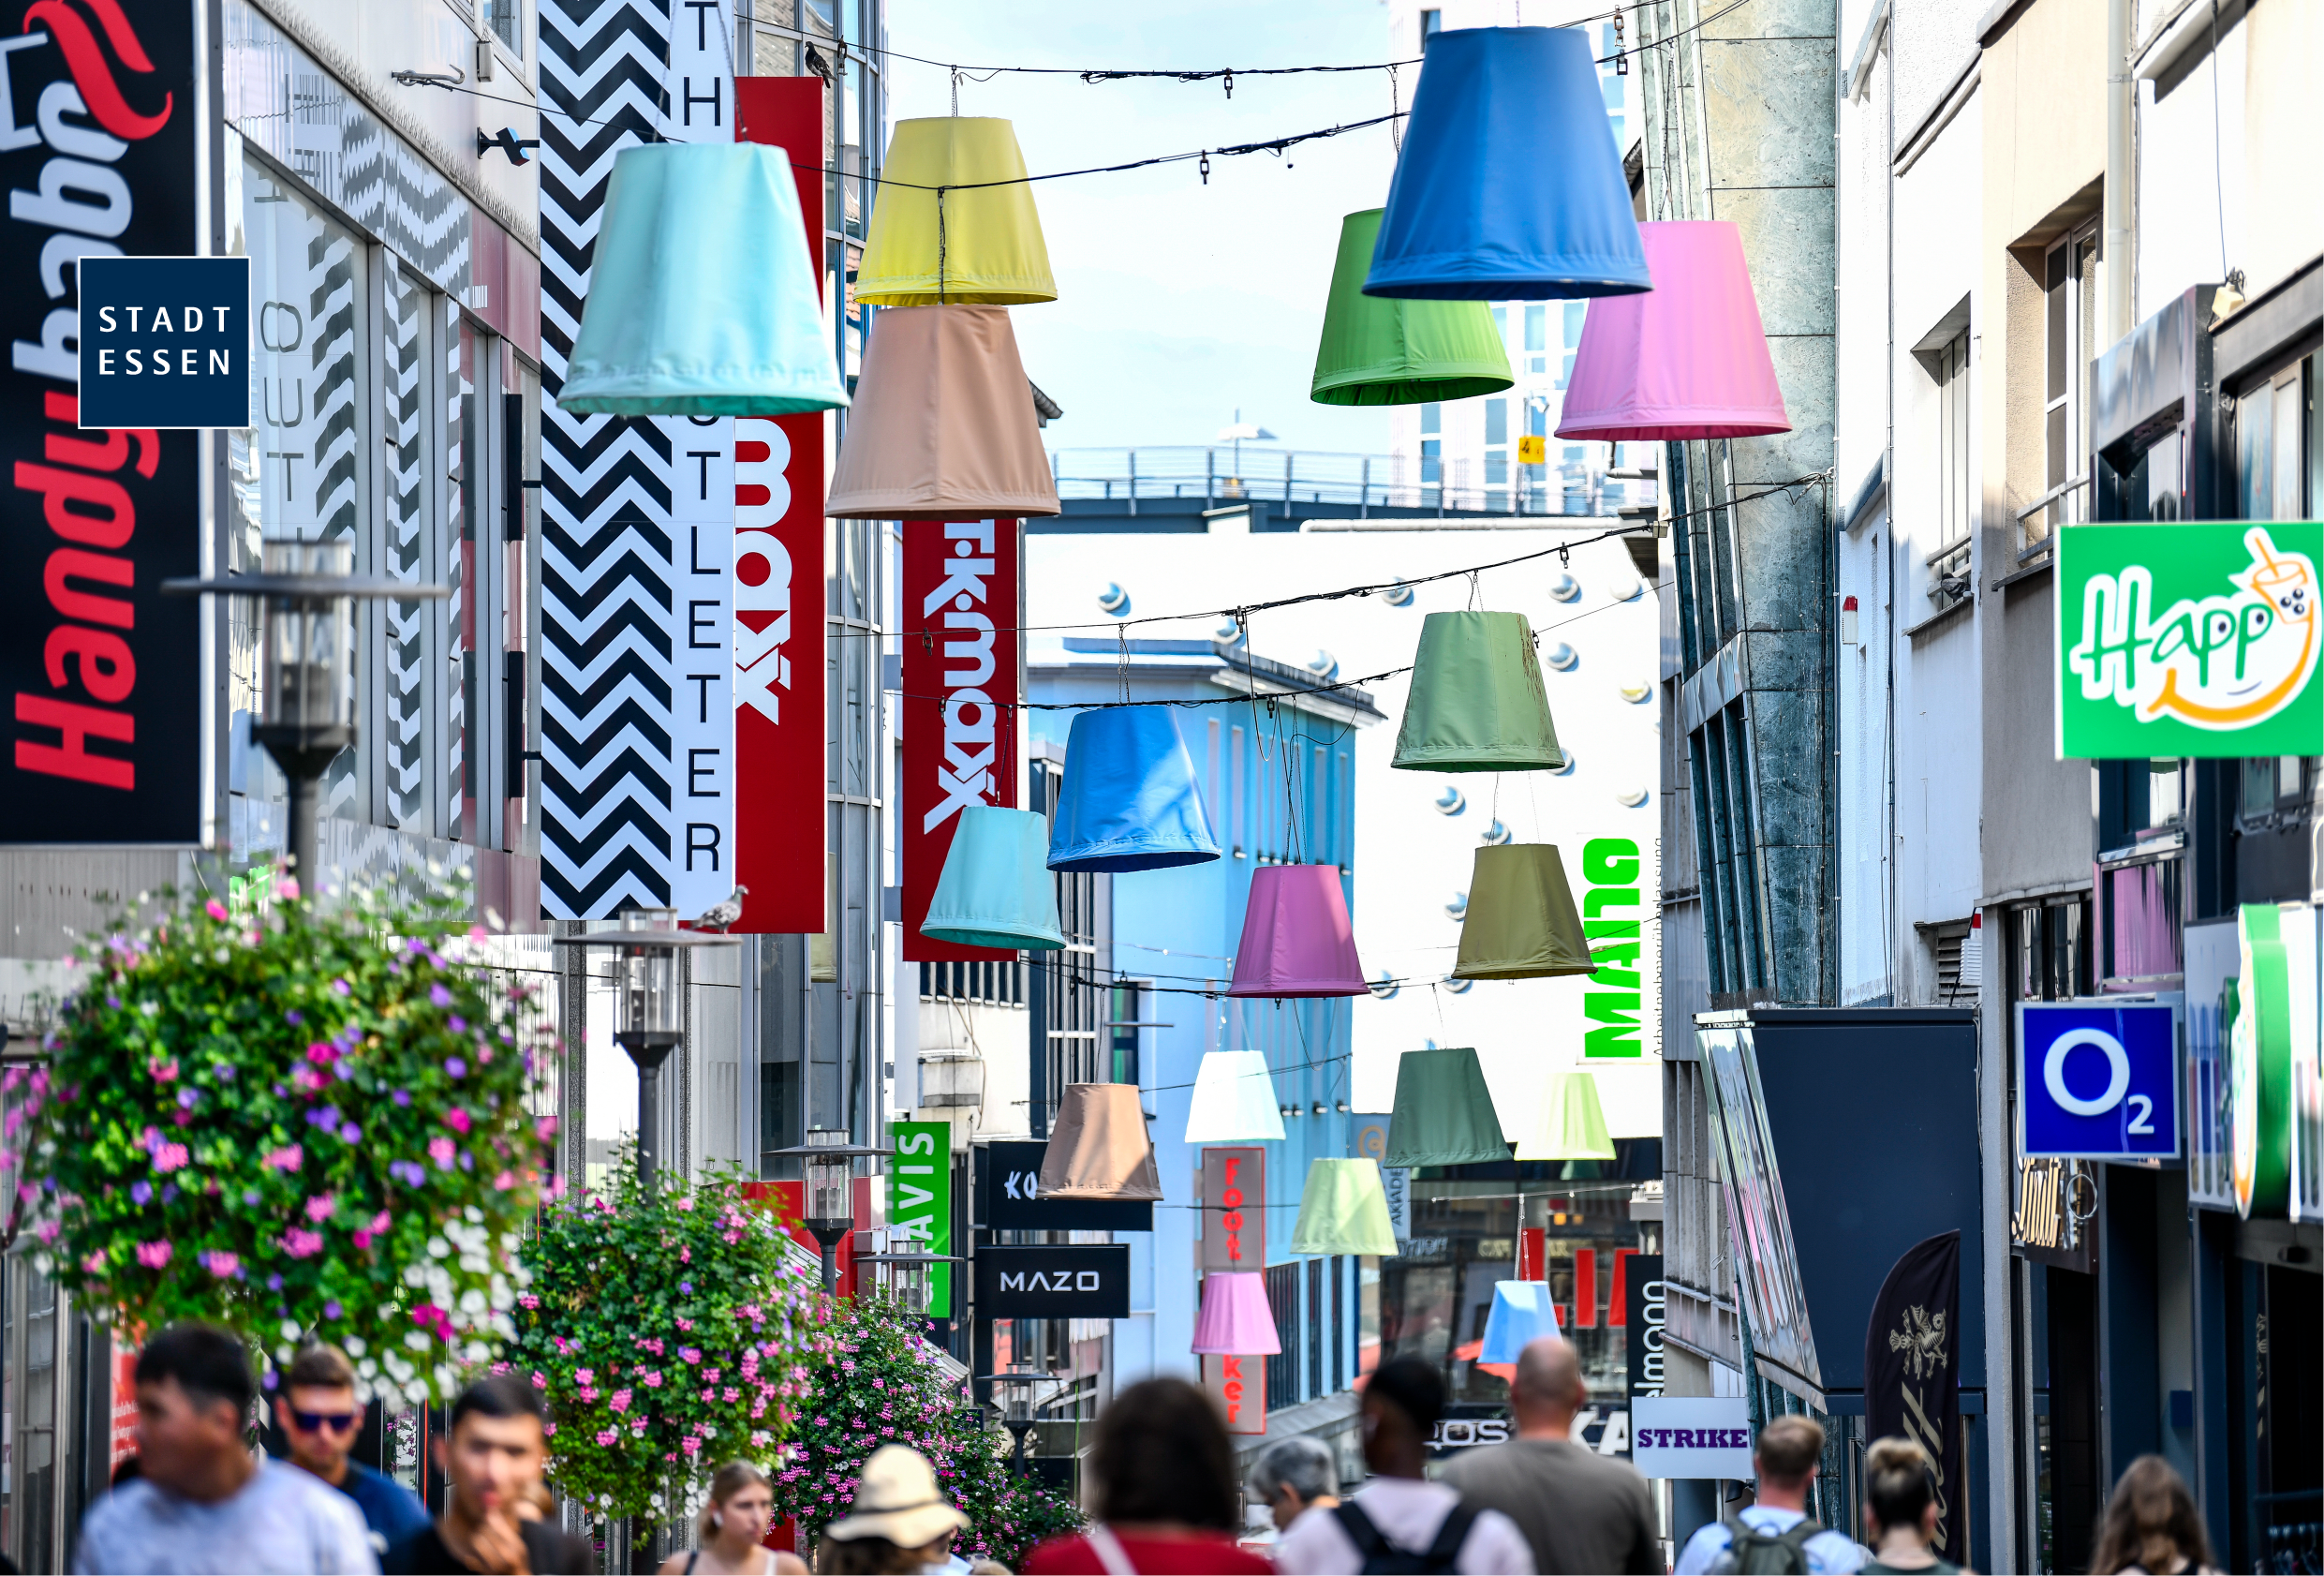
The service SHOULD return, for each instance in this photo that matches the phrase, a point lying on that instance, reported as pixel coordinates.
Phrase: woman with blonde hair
(730, 1525)
(1900, 1510)
(2151, 1524)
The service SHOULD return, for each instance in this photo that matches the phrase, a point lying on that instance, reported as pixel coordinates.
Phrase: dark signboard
(1008, 1195)
(100, 675)
(1643, 1311)
(165, 341)
(1053, 1282)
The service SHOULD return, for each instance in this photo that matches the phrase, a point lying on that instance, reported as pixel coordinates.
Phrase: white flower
(474, 1215)
(290, 1329)
(416, 1339)
(438, 1247)
(368, 1368)
(472, 1302)
(355, 1346)
(475, 1263)
(415, 1277)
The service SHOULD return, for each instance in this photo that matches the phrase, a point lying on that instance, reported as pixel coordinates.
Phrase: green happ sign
(2197, 639)
(920, 1202)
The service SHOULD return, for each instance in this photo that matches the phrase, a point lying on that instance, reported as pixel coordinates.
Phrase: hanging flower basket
(296, 1125)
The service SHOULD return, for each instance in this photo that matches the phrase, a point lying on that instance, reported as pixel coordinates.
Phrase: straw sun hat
(897, 1499)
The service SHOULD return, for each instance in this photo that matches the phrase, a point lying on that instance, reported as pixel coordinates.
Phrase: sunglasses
(318, 1423)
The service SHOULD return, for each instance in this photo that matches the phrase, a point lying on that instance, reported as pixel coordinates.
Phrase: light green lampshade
(1522, 922)
(1444, 1113)
(1572, 1124)
(701, 298)
(996, 889)
(1477, 701)
(1234, 1100)
(1376, 351)
(1345, 1209)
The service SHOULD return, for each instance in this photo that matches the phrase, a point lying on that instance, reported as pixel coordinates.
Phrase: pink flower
(94, 1264)
(288, 1158)
(505, 1180)
(288, 888)
(169, 1158)
(154, 1255)
(582, 1375)
(692, 1443)
(214, 908)
(685, 1324)
(540, 1380)
(380, 1224)
(163, 1071)
(688, 1354)
(300, 1243)
(219, 1263)
(440, 1151)
(321, 1207)
(653, 1382)
(363, 1238)
(606, 1436)
(457, 1120)
(548, 1430)
(619, 1401)
(686, 1256)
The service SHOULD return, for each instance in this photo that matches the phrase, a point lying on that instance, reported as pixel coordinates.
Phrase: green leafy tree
(877, 1383)
(669, 1335)
(290, 1122)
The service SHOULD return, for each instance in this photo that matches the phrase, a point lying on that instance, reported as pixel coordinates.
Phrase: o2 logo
(2098, 1082)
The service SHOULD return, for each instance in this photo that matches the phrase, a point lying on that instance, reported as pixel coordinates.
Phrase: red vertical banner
(1585, 1287)
(779, 660)
(1240, 1385)
(1533, 1254)
(961, 684)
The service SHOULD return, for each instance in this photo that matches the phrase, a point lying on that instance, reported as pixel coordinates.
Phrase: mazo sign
(1089, 1282)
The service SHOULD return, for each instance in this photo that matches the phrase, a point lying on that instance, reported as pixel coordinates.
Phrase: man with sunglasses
(319, 1416)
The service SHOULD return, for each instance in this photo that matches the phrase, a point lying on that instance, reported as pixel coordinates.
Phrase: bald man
(1580, 1510)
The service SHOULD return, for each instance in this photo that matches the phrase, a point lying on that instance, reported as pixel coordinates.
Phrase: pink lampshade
(1296, 939)
(1235, 1320)
(1688, 359)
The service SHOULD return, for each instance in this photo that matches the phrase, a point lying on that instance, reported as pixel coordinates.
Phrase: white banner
(1691, 1436)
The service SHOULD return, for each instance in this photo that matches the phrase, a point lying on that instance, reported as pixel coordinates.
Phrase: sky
(1177, 302)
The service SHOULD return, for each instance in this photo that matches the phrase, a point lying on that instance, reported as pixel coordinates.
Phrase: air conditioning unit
(951, 1079)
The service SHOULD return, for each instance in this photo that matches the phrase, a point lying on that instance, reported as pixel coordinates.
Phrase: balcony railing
(1222, 476)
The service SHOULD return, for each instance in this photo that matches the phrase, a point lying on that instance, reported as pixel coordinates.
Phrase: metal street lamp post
(649, 1007)
(908, 1275)
(305, 596)
(827, 1161)
(1016, 1409)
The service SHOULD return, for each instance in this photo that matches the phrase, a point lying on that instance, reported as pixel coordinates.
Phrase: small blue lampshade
(995, 891)
(1522, 1311)
(1128, 802)
(701, 298)
(1509, 187)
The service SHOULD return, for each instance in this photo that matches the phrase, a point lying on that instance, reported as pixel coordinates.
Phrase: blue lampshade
(1522, 1311)
(701, 295)
(995, 891)
(1509, 187)
(1129, 802)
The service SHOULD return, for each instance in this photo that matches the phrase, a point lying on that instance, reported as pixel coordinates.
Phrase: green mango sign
(2191, 639)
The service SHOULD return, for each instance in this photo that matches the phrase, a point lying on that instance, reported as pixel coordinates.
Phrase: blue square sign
(2098, 1081)
(165, 342)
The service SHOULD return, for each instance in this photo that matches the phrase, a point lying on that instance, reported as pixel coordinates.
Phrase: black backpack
(1384, 1558)
(1752, 1552)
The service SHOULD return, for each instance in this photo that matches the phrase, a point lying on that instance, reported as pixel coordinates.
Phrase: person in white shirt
(1789, 1450)
(1398, 1512)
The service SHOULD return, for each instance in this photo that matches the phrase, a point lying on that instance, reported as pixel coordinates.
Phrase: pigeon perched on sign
(720, 917)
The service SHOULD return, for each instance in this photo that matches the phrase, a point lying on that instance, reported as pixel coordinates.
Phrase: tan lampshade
(942, 426)
(1099, 1148)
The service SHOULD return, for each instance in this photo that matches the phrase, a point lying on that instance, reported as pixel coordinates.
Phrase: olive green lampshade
(1345, 1209)
(1477, 701)
(1522, 922)
(1376, 351)
(1572, 1122)
(1444, 1113)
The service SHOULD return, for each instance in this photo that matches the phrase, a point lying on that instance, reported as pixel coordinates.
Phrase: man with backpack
(1775, 1534)
(1401, 1522)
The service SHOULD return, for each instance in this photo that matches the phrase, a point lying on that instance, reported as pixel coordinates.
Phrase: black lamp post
(649, 1007)
(305, 598)
(908, 1275)
(1016, 1407)
(827, 1161)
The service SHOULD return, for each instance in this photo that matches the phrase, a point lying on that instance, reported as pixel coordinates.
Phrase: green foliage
(876, 1383)
(669, 1336)
(290, 1122)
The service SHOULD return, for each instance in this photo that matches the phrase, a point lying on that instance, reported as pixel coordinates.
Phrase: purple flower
(439, 996)
(142, 1190)
(401, 1096)
(456, 1066)
(343, 987)
(187, 1099)
(331, 1309)
(416, 944)
(168, 1193)
(224, 1071)
(251, 1197)
(686, 1286)
(294, 1016)
(350, 1133)
(459, 1024)
(274, 1283)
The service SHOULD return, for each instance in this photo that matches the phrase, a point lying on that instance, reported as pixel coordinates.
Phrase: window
(1565, 374)
(1576, 312)
(1432, 23)
(1501, 324)
(1432, 418)
(1536, 326)
(501, 17)
(1613, 89)
(1431, 460)
(2269, 780)
(1949, 564)
(1496, 420)
(2274, 479)
(2069, 316)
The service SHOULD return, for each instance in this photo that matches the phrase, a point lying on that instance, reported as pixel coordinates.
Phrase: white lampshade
(1234, 1100)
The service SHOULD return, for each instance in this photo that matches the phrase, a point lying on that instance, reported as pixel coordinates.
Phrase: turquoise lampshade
(1522, 1311)
(996, 889)
(701, 298)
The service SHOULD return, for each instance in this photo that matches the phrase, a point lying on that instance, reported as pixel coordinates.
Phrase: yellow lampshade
(982, 244)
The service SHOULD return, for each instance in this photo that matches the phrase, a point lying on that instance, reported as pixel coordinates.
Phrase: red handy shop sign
(960, 678)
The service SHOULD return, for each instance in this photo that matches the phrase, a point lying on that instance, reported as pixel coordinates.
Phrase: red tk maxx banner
(779, 665)
(961, 687)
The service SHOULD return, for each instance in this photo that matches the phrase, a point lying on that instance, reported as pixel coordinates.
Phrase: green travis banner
(920, 1202)
(2194, 639)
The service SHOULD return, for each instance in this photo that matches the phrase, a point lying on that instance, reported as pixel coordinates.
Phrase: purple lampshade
(1235, 1320)
(1296, 939)
(1688, 359)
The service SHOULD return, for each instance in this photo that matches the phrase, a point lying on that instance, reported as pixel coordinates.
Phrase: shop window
(2049, 950)
(2277, 442)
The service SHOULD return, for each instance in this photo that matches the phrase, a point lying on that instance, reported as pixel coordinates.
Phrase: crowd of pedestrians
(1161, 1487)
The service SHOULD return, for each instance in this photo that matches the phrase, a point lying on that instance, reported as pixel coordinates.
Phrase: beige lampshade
(942, 426)
(1099, 1148)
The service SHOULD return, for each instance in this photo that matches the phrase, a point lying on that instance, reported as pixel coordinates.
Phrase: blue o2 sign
(165, 342)
(2097, 1080)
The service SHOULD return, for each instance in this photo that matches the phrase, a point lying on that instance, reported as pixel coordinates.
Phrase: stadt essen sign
(2197, 639)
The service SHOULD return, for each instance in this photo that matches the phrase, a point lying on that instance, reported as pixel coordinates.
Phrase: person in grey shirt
(202, 1503)
(1581, 1512)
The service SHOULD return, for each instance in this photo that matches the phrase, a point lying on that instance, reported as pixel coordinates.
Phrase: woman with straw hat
(899, 1523)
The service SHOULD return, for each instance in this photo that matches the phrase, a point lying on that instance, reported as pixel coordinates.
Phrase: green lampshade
(1345, 1209)
(1572, 1124)
(1477, 701)
(1443, 1112)
(1380, 351)
(1522, 922)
